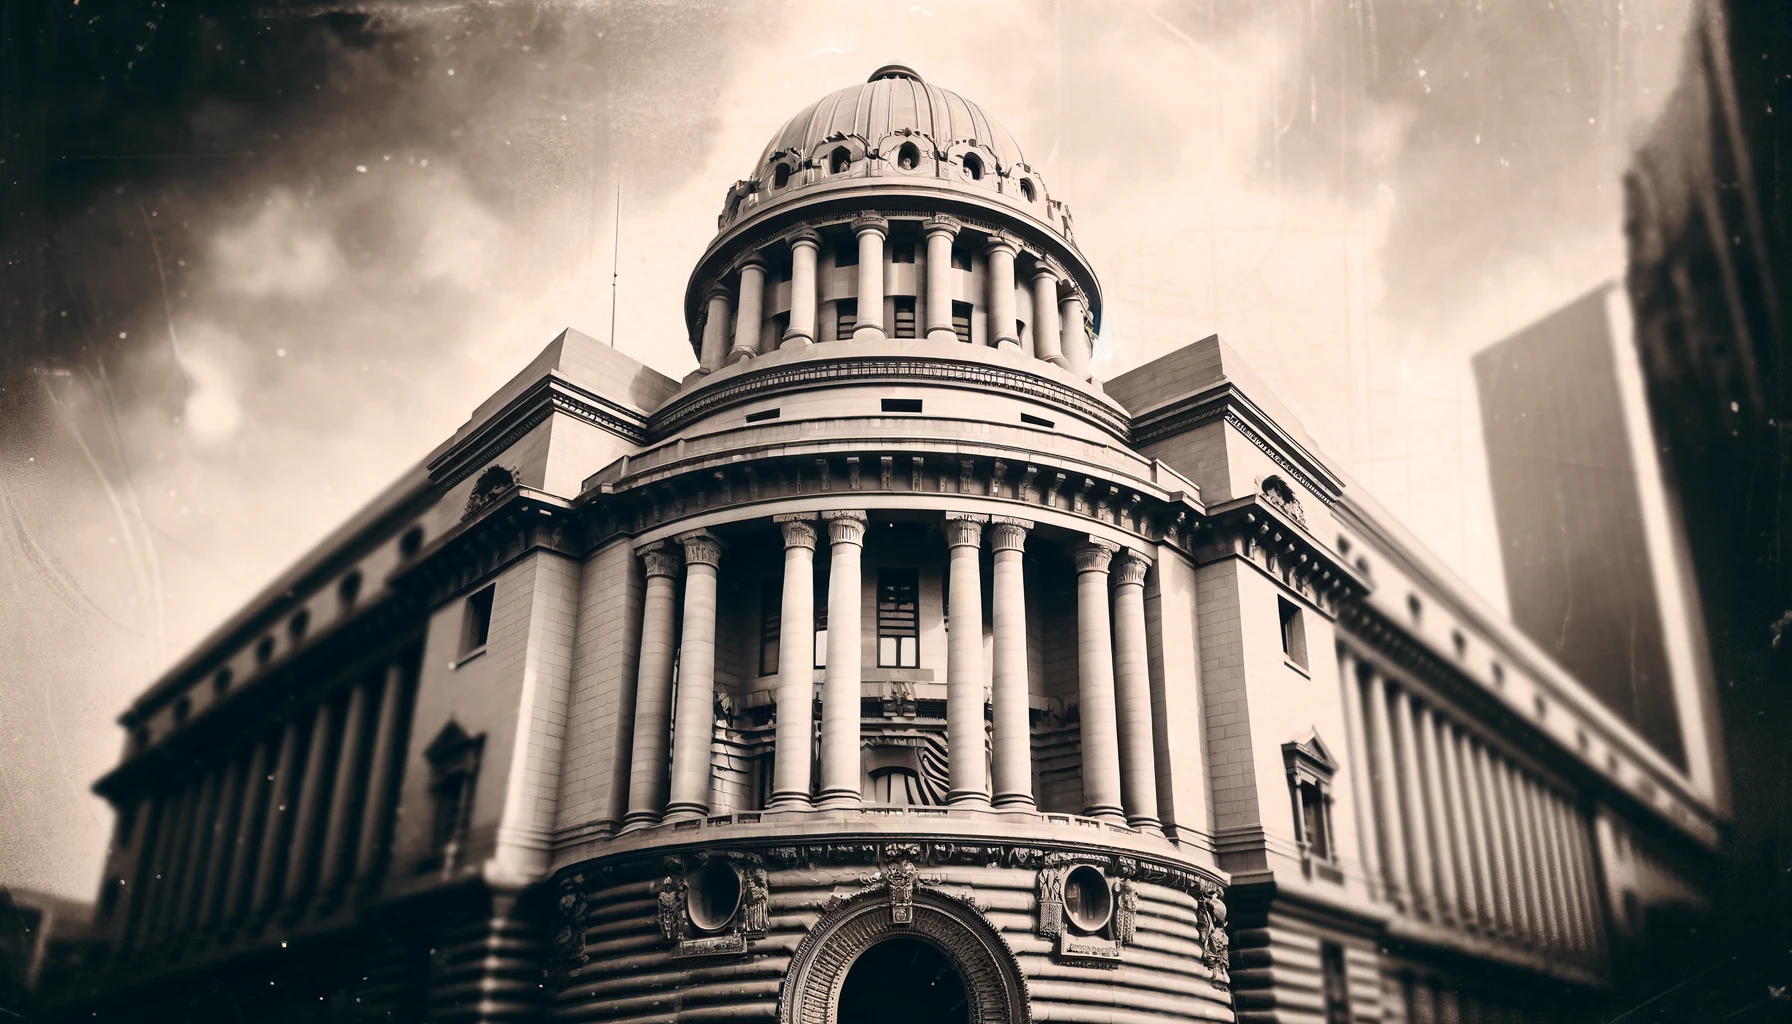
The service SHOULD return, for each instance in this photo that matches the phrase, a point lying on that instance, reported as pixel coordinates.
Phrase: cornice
(552, 393)
(1268, 537)
(683, 409)
(513, 524)
(1225, 401)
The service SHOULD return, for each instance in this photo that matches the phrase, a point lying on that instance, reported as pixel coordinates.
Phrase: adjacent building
(887, 666)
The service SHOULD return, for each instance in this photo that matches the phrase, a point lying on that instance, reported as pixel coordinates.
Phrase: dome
(898, 128)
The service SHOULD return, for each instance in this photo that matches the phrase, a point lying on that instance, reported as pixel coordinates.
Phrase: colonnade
(1118, 757)
(300, 814)
(735, 312)
(1453, 831)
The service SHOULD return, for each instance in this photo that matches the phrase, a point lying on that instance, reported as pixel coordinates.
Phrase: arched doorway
(904, 980)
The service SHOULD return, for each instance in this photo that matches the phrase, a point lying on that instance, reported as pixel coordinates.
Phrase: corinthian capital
(1131, 568)
(702, 548)
(660, 560)
(845, 527)
(1094, 555)
(798, 533)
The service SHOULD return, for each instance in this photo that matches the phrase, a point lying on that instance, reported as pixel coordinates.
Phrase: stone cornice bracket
(1008, 534)
(870, 222)
(799, 529)
(701, 548)
(661, 560)
(941, 224)
(1132, 568)
(845, 527)
(1002, 241)
(1094, 554)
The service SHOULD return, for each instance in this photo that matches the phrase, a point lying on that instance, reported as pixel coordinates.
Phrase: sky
(286, 251)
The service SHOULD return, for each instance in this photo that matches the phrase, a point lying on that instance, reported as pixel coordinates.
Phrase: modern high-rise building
(886, 667)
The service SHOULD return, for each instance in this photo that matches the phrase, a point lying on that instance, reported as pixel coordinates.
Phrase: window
(1499, 674)
(1026, 190)
(846, 318)
(1036, 421)
(1337, 985)
(1413, 606)
(771, 601)
(1294, 632)
(476, 621)
(182, 708)
(973, 166)
(221, 681)
(762, 415)
(411, 542)
(961, 260)
(299, 624)
(264, 650)
(908, 157)
(901, 405)
(1310, 770)
(905, 316)
(839, 161)
(453, 769)
(1460, 642)
(349, 589)
(781, 176)
(898, 623)
(961, 321)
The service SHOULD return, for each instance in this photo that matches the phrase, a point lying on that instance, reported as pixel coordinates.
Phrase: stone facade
(887, 628)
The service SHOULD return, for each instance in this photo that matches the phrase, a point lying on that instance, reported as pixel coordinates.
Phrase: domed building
(887, 667)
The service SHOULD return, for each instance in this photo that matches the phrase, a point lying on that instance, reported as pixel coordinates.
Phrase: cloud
(279, 252)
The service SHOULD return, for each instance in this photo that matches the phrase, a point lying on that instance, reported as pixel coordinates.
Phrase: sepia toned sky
(288, 251)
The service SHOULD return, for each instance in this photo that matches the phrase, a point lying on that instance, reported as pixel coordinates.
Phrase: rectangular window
(905, 316)
(902, 250)
(762, 415)
(771, 610)
(821, 612)
(1337, 984)
(1312, 809)
(1294, 632)
(961, 258)
(846, 254)
(901, 405)
(846, 318)
(476, 620)
(961, 321)
(1037, 421)
(898, 622)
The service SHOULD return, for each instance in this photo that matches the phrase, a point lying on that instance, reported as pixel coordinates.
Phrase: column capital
(798, 533)
(1132, 568)
(941, 224)
(1044, 269)
(1002, 241)
(718, 290)
(805, 235)
(845, 527)
(870, 222)
(661, 560)
(1094, 555)
(701, 548)
(964, 530)
(1008, 534)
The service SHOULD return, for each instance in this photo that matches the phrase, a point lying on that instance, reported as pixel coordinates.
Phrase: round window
(714, 895)
(1088, 903)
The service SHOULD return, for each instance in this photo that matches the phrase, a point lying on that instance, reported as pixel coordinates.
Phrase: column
(966, 757)
(792, 753)
(273, 832)
(1417, 829)
(351, 775)
(1046, 344)
(1554, 896)
(940, 232)
(653, 690)
(1523, 881)
(1387, 792)
(1449, 900)
(1358, 755)
(870, 229)
(805, 245)
(1499, 868)
(1010, 713)
(1572, 939)
(224, 833)
(1132, 695)
(1466, 829)
(1095, 687)
(714, 353)
(382, 780)
(200, 851)
(160, 876)
(311, 795)
(842, 772)
(1074, 336)
(1000, 251)
(749, 310)
(255, 794)
(1591, 899)
(180, 857)
(695, 722)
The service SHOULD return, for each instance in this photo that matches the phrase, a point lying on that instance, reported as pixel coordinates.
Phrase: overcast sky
(357, 226)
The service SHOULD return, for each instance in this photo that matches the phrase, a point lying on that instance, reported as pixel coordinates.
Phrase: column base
(1058, 361)
(872, 332)
(795, 341)
(790, 802)
(634, 821)
(941, 334)
(1149, 826)
(1008, 344)
(972, 798)
(1105, 812)
(740, 355)
(685, 812)
(1014, 802)
(840, 800)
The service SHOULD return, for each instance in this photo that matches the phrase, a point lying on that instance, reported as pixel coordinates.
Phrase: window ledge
(1296, 666)
(469, 656)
